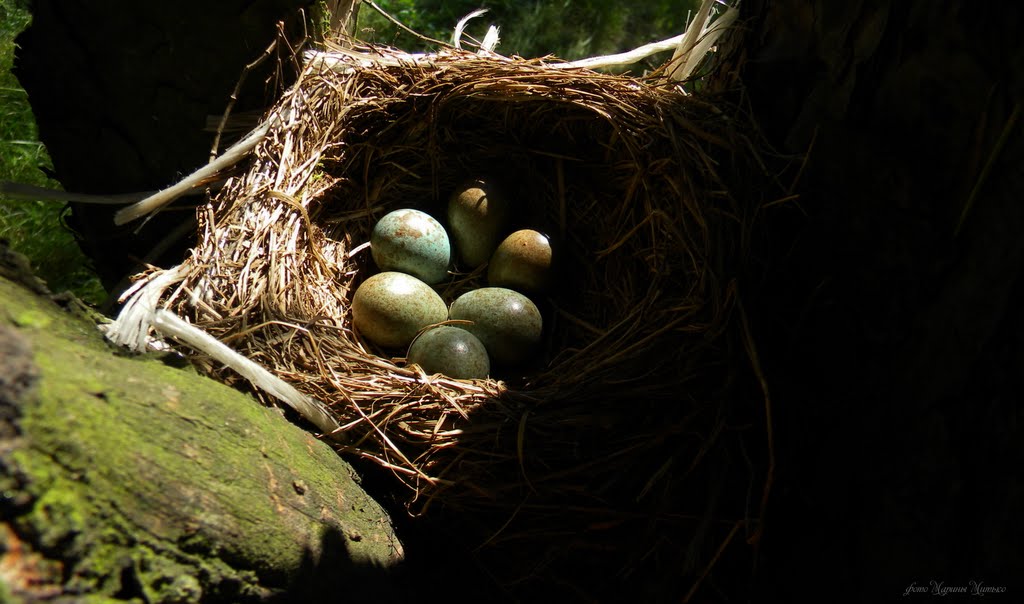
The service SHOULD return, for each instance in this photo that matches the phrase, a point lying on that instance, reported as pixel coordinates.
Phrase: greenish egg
(391, 308)
(477, 216)
(506, 321)
(452, 351)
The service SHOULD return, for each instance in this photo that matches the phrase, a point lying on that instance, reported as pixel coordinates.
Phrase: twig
(131, 329)
(17, 190)
(803, 162)
(623, 58)
(161, 198)
(714, 560)
(755, 362)
(234, 96)
(402, 26)
(333, 60)
(996, 150)
(521, 448)
(461, 26)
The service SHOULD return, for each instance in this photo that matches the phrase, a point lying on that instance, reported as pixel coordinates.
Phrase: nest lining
(634, 385)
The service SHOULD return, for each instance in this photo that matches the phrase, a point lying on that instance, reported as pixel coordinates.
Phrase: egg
(522, 262)
(413, 242)
(506, 321)
(391, 308)
(477, 217)
(452, 351)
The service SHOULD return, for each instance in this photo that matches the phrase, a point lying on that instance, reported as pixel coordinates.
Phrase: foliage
(570, 29)
(33, 228)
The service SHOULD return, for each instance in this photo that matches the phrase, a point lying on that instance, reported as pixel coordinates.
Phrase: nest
(609, 453)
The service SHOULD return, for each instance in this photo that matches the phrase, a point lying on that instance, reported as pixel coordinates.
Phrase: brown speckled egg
(522, 262)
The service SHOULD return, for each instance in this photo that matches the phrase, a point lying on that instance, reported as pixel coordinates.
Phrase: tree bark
(125, 477)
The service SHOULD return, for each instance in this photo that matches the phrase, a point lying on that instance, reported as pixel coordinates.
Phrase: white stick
(622, 58)
(171, 325)
(161, 198)
(490, 40)
(708, 37)
(700, 36)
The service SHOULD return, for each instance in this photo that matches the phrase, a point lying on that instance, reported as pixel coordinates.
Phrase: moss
(322, 20)
(32, 318)
(57, 516)
(100, 570)
(186, 483)
(164, 580)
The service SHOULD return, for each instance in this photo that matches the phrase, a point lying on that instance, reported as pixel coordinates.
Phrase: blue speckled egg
(411, 242)
(506, 321)
(452, 351)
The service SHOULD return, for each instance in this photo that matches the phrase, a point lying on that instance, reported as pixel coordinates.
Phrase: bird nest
(609, 451)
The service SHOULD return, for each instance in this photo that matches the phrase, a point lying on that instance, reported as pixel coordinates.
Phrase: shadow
(433, 566)
(332, 573)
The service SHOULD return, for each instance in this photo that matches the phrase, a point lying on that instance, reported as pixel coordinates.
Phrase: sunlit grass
(33, 228)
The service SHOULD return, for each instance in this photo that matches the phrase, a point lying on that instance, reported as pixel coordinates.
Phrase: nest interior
(608, 455)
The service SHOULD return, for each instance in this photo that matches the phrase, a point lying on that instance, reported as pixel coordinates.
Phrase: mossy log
(127, 478)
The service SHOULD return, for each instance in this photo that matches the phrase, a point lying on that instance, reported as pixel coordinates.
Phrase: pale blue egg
(411, 242)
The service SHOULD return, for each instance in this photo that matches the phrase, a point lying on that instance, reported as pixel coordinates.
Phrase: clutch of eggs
(397, 308)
